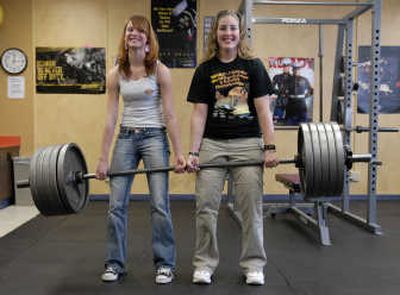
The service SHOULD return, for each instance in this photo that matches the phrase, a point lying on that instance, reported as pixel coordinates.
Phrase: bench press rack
(302, 210)
(344, 57)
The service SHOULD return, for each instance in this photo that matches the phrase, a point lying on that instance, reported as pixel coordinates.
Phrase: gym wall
(46, 119)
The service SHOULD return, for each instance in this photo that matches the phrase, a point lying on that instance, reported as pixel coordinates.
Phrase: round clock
(13, 61)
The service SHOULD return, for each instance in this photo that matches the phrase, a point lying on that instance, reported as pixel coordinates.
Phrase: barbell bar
(171, 168)
(78, 176)
(59, 181)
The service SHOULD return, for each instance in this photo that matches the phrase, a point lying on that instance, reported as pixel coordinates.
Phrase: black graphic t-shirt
(229, 90)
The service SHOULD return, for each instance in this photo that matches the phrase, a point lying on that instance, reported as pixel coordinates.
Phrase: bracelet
(269, 147)
(194, 154)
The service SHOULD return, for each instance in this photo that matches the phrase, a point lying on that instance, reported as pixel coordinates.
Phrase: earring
(147, 48)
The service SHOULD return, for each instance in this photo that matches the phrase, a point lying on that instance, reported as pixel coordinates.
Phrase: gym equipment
(344, 66)
(59, 179)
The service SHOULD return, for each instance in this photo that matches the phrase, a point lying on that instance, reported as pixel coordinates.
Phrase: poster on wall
(389, 88)
(70, 70)
(208, 22)
(292, 79)
(174, 22)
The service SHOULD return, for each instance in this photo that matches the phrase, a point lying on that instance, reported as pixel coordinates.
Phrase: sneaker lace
(203, 273)
(164, 271)
(255, 274)
(110, 269)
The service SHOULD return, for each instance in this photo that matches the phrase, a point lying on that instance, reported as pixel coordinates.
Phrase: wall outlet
(355, 176)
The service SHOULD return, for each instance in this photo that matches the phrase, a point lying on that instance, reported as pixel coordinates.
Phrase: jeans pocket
(124, 134)
(158, 136)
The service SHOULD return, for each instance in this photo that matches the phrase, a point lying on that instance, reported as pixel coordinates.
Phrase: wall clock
(13, 61)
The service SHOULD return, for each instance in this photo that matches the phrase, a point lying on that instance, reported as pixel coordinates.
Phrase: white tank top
(142, 103)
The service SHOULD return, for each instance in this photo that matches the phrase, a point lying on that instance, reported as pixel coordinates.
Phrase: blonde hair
(142, 24)
(212, 45)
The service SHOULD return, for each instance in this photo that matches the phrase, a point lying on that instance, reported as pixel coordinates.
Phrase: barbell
(59, 179)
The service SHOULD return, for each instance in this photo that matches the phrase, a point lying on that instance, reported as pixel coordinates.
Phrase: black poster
(174, 22)
(70, 70)
(389, 88)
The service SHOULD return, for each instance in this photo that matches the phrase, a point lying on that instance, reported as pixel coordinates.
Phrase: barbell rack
(344, 47)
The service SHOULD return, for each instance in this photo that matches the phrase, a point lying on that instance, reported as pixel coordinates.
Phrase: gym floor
(64, 255)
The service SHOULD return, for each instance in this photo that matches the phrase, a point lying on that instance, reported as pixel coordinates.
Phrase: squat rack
(345, 50)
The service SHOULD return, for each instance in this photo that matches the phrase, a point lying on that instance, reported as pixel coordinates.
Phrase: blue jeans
(151, 145)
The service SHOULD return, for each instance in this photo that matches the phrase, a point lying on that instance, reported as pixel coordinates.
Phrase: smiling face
(228, 33)
(135, 36)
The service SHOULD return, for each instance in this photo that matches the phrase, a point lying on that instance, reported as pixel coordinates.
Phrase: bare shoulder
(163, 72)
(113, 75)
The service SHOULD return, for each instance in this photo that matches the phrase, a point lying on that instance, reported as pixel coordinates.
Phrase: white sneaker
(164, 275)
(201, 277)
(110, 275)
(255, 278)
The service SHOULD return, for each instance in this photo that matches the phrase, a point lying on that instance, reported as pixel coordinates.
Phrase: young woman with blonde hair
(231, 122)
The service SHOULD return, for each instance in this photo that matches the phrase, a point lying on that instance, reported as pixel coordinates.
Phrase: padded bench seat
(289, 180)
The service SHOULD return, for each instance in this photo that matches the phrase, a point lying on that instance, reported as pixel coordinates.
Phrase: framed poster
(389, 88)
(292, 80)
(174, 22)
(70, 70)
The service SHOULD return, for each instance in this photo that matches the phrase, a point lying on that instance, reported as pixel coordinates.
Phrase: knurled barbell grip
(241, 164)
(131, 172)
(201, 166)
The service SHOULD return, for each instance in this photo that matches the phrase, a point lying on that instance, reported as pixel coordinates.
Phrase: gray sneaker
(111, 274)
(201, 277)
(255, 278)
(164, 275)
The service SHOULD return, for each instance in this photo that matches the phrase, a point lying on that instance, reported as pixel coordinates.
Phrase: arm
(310, 90)
(165, 82)
(267, 127)
(198, 123)
(111, 119)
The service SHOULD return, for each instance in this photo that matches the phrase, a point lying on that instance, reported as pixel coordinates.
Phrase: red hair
(142, 24)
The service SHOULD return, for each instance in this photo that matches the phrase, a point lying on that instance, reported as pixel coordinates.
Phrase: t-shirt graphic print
(231, 95)
(229, 90)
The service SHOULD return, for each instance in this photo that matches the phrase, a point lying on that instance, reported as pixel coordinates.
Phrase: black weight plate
(340, 158)
(74, 194)
(47, 207)
(46, 192)
(35, 178)
(324, 187)
(306, 170)
(55, 198)
(316, 160)
(333, 173)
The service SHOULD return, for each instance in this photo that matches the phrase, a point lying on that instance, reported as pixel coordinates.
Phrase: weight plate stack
(73, 192)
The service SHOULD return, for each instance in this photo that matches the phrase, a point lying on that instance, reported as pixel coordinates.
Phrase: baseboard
(266, 198)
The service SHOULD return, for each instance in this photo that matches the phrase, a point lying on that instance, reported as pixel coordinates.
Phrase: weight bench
(301, 209)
